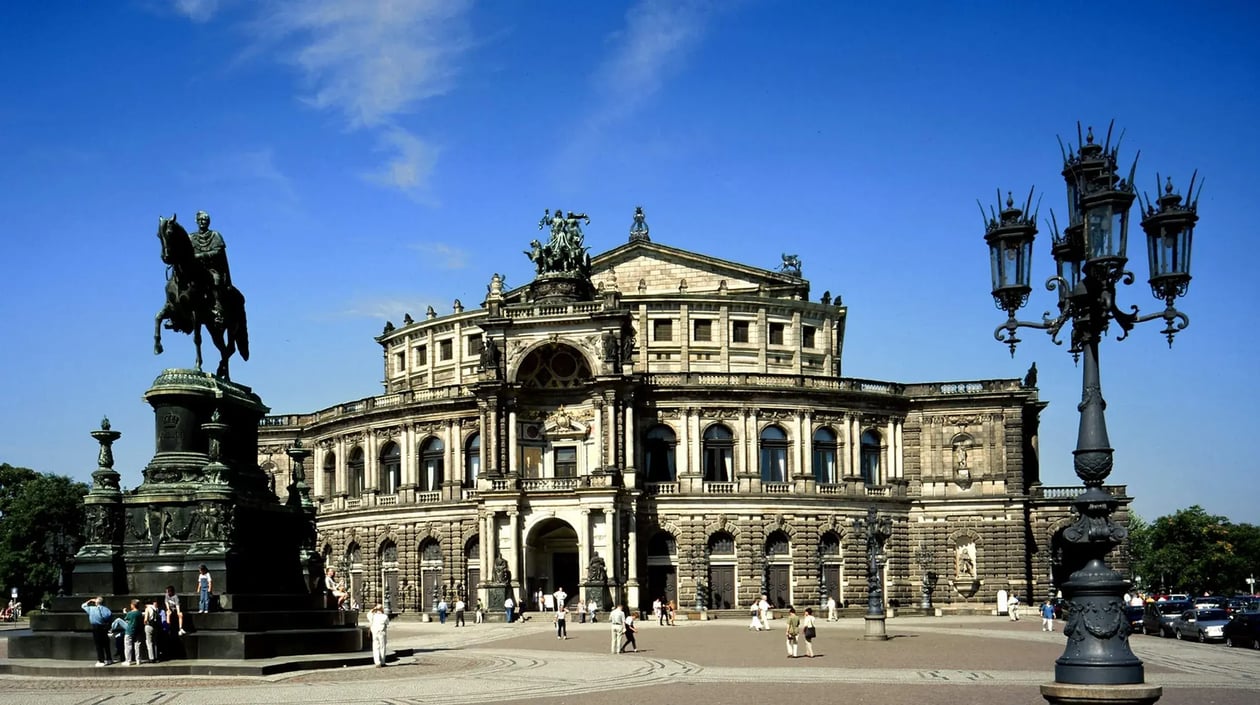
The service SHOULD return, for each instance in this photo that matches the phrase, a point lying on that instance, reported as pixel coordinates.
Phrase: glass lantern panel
(1120, 231)
(1010, 264)
(1098, 235)
(1074, 204)
(995, 265)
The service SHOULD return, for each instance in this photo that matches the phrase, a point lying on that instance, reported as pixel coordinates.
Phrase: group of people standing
(663, 611)
(156, 626)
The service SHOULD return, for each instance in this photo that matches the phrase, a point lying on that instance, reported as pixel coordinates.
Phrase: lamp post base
(875, 630)
(1071, 694)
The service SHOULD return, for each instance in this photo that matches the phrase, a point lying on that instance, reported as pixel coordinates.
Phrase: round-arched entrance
(551, 561)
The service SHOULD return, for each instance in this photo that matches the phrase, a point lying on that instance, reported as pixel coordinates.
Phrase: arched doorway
(662, 567)
(551, 561)
(779, 570)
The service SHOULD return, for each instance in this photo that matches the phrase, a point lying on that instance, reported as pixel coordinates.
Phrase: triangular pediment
(655, 269)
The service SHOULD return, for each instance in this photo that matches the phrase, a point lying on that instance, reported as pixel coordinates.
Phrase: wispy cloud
(255, 167)
(442, 255)
(645, 52)
(197, 10)
(385, 308)
(370, 62)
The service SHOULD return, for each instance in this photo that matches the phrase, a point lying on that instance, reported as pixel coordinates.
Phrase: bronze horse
(190, 301)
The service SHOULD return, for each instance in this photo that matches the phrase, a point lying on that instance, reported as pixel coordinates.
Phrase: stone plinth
(876, 629)
(1071, 694)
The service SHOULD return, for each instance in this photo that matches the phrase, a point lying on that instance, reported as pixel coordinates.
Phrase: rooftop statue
(639, 228)
(199, 291)
(565, 252)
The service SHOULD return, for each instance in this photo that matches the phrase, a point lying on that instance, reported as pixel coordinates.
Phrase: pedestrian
(152, 622)
(656, 612)
(755, 624)
(673, 609)
(763, 607)
(539, 599)
(632, 628)
(460, 606)
(99, 617)
(831, 608)
(592, 608)
(809, 629)
(378, 624)
(479, 615)
(508, 606)
(204, 586)
(562, 618)
(793, 629)
(131, 634)
(441, 609)
(581, 611)
(617, 621)
(1012, 608)
(562, 598)
(1047, 617)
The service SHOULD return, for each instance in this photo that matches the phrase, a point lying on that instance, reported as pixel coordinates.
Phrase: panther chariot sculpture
(199, 292)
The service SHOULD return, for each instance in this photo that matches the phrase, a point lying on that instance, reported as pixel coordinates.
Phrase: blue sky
(364, 159)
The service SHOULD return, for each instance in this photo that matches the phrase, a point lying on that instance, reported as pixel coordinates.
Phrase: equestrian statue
(199, 291)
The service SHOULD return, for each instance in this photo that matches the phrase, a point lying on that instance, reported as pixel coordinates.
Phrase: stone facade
(688, 424)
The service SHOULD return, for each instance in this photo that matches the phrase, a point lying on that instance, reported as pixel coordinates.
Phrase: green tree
(41, 528)
(1193, 551)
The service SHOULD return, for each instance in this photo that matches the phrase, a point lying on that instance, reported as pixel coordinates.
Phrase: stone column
(584, 543)
(511, 449)
(632, 559)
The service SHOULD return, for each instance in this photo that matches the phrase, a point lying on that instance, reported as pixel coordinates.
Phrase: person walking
(378, 624)
(479, 613)
(441, 609)
(508, 606)
(460, 606)
(204, 586)
(1012, 607)
(581, 611)
(617, 620)
(1047, 616)
(793, 629)
(632, 628)
(562, 618)
(809, 630)
(99, 617)
(755, 624)
(831, 608)
(592, 608)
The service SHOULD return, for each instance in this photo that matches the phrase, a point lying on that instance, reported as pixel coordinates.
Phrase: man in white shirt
(561, 598)
(460, 606)
(617, 620)
(831, 608)
(378, 623)
(508, 606)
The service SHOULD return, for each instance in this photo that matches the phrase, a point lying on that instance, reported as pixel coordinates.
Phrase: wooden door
(721, 587)
(832, 572)
(428, 586)
(779, 586)
(662, 580)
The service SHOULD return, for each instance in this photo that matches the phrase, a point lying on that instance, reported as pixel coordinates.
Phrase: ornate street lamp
(876, 530)
(698, 561)
(923, 559)
(1090, 256)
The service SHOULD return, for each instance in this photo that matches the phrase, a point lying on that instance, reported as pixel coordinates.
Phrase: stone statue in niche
(965, 560)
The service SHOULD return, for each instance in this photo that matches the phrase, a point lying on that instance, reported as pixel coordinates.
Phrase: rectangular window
(566, 461)
(703, 331)
(444, 350)
(776, 333)
(739, 331)
(807, 336)
(662, 330)
(421, 355)
(531, 461)
(474, 345)
(400, 362)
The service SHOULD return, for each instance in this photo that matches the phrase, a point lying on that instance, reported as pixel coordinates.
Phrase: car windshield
(1171, 607)
(1212, 615)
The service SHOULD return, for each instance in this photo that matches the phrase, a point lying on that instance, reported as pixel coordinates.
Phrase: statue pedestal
(598, 593)
(204, 501)
(1070, 694)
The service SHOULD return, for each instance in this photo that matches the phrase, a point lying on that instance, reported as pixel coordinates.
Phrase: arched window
(431, 465)
(870, 457)
(472, 460)
(825, 457)
(391, 468)
(778, 546)
(355, 469)
(773, 454)
(718, 444)
(330, 474)
(722, 545)
(662, 545)
(658, 454)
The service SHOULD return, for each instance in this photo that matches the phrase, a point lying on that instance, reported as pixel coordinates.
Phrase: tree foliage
(1193, 551)
(41, 528)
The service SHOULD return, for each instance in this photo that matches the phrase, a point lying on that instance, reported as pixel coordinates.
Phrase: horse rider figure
(211, 254)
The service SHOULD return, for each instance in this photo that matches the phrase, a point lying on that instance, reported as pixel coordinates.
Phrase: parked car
(1208, 601)
(1202, 625)
(1243, 630)
(1160, 615)
(1135, 614)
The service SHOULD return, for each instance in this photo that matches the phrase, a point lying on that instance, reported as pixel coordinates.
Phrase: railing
(829, 489)
(385, 401)
(354, 502)
(548, 484)
(502, 485)
(428, 497)
(658, 488)
(878, 491)
(533, 311)
(386, 500)
(468, 494)
(777, 487)
(1072, 491)
(719, 488)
